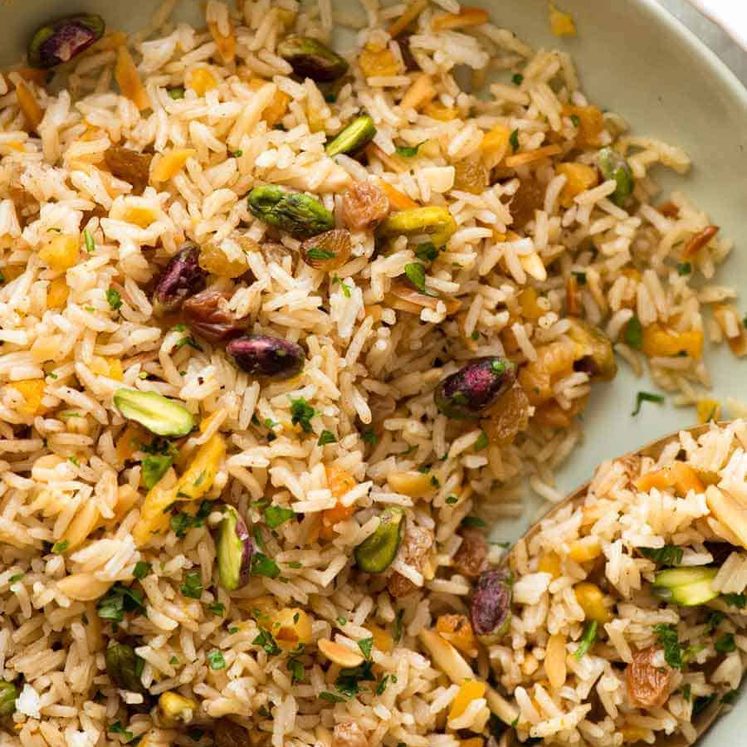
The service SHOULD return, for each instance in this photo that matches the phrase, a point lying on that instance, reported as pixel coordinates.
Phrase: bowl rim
(696, 45)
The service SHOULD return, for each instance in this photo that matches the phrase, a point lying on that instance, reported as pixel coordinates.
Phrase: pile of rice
(592, 698)
(72, 333)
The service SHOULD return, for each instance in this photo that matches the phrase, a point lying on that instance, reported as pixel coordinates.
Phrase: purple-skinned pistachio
(63, 39)
(181, 278)
(266, 356)
(474, 387)
(234, 550)
(490, 607)
(208, 317)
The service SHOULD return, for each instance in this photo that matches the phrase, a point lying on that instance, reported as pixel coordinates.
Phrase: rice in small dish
(284, 322)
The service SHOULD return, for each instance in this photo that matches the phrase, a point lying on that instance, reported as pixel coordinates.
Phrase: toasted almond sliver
(83, 587)
(339, 654)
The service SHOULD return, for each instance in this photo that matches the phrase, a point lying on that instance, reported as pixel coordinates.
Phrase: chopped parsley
(154, 467)
(142, 569)
(735, 600)
(684, 268)
(176, 93)
(344, 287)
(215, 659)
(416, 275)
(237, 153)
(482, 441)
(15, 577)
(701, 703)
(667, 555)
(276, 516)
(642, 397)
(687, 693)
(192, 586)
(576, 120)
(726, 644)
(331, 697)
(730, 697)
(319, 254)
(369, 437)
(451, 500)
(398, 626)
(182, 522)
(264, 566)
(667, 635)
(365, 645)
(633, 334)
(473, 521)
(297, 672)
(59, 547)
(118, 601)
(586, 640)
(426, 252)
(327, 437)
(514, 140)
(90, 243)
(348, 681)
(117, 728)
(383, 683)
(217, 608)
(301, 414)
(114, 299)
(517, 79)
(580, 276)
(408, 151)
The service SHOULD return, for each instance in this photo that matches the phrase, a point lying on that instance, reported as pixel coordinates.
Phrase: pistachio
(301, 215)
(182, 277)
(359, 132)
(376, 553)
(436, 222)
(8, 695)
(614, 166)
(176, 708)
(262, 355)
(490, 607)
(309, 58)
(234, 550)
(208, 316)
(328, 251)
(159, 415)
(61, 40)
(474, 387)
(124, 667)
(597, 356)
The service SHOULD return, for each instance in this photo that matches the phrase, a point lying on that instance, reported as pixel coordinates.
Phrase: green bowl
(638, 60)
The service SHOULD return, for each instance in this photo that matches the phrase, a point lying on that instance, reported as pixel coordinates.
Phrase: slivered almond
(529, 156)
(83, 587)
(339, 654)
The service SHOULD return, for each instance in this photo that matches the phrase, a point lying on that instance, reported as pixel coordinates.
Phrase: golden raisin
(529, 197)
(507, 417)
(469, 559)
(215, 260)
(327, 251)
(129, 165)
(364, 205)
(648, 684)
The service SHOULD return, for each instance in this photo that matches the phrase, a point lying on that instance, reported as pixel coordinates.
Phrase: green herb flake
(408, 151)
(473, 521)
(215, 660)
(587, 640)
(297, 671)
(342, 621)
(580, 276)
(176, 93)
(366, 645)
(517, 79)
(276, 516)
(729, 698)
(217, 608)
(369, 437)
(726, 644)
(237, 153)
(331, 697)
(576, 120)
(451, 500)
(348, 681)
(735, 600)
(317, 253)
(117, 728)
(327, 437)
(642, 397)
(701, 703)
(633, 334)
(120, 600)
(174, 661)
(514, 140)
(667, 555)
(398, 627)
(301, 414)
(59, 547)
(114, 299)
(264, 566)
(382, 685)
(15, 577)
(482, 441)
(192, 586)
(142, 569)
(426, 252)
(90, 243)
(687, 692)
(684, 268)
(415, 273)
(667, 636)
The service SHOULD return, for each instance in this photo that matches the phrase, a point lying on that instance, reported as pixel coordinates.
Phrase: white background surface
(725, 14)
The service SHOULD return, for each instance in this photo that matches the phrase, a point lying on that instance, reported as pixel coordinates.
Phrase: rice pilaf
(236, 265)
